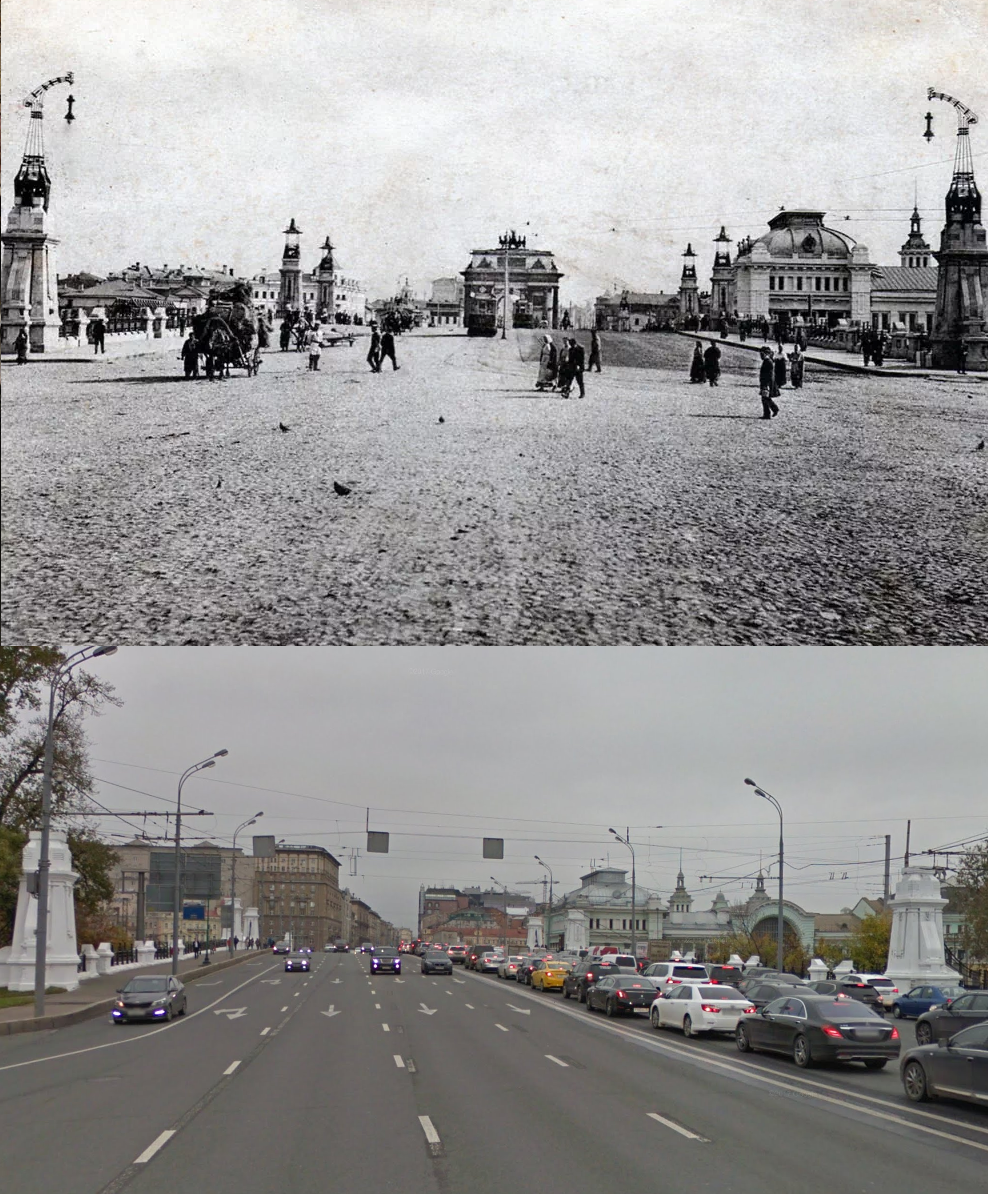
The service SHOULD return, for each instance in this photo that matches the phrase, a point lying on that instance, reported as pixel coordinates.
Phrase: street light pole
(548, 915)
(780, 941)
(507, 279)
(177, 900)
(233, 878)
(634, 911)
(61, 673)
(504, 932)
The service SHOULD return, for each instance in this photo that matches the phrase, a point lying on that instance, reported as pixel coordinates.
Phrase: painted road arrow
(332, 1011)
(336, 980)
(272, 982)
(427, 1011)
(525, 1011)
(399, 980)
(231, 1013)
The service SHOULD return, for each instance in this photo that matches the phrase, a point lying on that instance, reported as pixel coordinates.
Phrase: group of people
(560, 369)
(873, 346)
(382, 348)
(776, 370)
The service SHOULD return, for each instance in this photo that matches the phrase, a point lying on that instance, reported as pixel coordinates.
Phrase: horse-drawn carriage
(226, 333)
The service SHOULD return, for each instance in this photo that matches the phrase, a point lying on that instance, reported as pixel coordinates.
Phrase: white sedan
(695, 1008)
(508, 967)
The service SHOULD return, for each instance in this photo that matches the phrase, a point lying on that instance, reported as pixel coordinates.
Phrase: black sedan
(940, 1023)
(298, 961)
(621, 994)
(150, 997)
(581, 978)
(385, 959)
(763, 993)
(811, 1028)
(956, 1069)
(437, 961)
(847, 989)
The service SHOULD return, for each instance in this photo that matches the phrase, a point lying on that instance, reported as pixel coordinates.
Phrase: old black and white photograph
(451, 323)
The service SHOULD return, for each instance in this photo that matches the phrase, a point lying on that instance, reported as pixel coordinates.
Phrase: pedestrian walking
(285, 335)
(190, 356)
(594, 361)
(711, 363)
(780, 364)
(796, 363)
(962, 351)
(766, 383)
(866, 346)
(315, 348)
(99, 336)
(879, 346)
(564, 378)
(697, 367)
(263, 339)
(196, 947)
(388, 351)
(236, 942)
(576, 364)
(374, 352)
(547, 364)
(20, 345)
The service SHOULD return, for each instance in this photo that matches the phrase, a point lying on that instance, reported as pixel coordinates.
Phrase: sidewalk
(849, 362)
(95, 996)
(117, 348)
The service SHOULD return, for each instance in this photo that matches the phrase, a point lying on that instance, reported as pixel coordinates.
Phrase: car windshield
(386, 953)
(718, 994)
(143, 985)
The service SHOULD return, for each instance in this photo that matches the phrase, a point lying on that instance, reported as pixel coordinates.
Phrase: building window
(610, 924)
(818, 283)
(782, 283)
(771, 281)
(845, 284)
(799, 283)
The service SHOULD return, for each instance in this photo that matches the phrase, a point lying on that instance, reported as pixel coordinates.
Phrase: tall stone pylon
(62, 960)
(290, 295)
(962, 279)
(916, 950)
(29, 286)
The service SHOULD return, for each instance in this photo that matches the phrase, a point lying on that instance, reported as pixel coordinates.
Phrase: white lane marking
(230, 1068)
(469, 1005)
(411, 1066)
(677, 1128)
(265, 1031)
(461, 981)
(216, 983)
(128, 1040)
(427, 1011)
(285, 1008)
(386, 1028)
(399, 1061)
(297, 994)
(231, 1013)
(332, 1011)
(377, 1006)
(524, 1011)
(154, 1146)
(373, 992)
(449, 992)
(430, 1132)
(502, 1028)
(564, 1064)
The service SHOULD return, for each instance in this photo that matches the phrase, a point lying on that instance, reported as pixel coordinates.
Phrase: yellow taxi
(549, 974)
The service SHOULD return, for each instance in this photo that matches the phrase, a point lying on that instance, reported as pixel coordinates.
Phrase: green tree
(11, 844)
(869, 944)
(970, 895)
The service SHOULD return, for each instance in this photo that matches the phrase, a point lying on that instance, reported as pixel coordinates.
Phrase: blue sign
(194, 912)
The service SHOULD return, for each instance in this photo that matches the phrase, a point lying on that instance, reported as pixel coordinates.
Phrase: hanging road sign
(377, 843)
(493, 847)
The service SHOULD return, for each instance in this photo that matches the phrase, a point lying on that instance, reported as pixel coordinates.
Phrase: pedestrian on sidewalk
(780, 364)
(866, 346)
(263, 339)
(576, 363)
(796, 363)
(962, 351)
(99, 336)
(388, 351)
(374, 352)
(697, 372)
(190, 356)
(315, 348)
(547, 364)
(196, 947)
(20, 345)
(564, 379)
(285, 335)
(879, 347)
(594, 361)
(766, 383)
(711, 363)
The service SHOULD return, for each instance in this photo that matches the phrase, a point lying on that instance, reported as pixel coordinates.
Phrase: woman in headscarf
(547, 364)
(796, 360)
(564, 376)
(697, 369)
(781, 365)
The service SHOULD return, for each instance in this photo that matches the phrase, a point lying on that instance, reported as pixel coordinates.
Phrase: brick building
(297, 892)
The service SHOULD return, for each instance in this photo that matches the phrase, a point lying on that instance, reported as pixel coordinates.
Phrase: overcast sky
(412, 131)
(548, 748)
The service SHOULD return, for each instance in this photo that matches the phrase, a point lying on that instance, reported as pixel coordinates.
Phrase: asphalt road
(139, 508)
(335, 1082)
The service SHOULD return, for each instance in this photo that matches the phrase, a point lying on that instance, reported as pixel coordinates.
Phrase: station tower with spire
(915, 252)
(290, 293)
(689, 293)
(722, 277)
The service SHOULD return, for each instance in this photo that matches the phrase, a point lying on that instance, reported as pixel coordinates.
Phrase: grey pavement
(145, 509)
(471, 1083)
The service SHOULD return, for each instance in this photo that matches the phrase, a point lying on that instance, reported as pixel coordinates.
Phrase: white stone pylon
(63, 956)
(916, 952)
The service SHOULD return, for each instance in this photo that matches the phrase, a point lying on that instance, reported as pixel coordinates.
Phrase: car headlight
(120, 1003)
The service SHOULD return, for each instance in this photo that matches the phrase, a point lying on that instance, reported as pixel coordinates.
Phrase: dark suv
(580, 978)
(474, 953)
(848, 989)
(385, 959)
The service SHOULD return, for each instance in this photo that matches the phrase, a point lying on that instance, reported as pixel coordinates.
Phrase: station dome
(802, 234)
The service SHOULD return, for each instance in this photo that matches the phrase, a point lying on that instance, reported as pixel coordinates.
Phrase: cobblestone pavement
(139, 508)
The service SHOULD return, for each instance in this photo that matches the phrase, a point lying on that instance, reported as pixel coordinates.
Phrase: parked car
(696, 1008)
(674, 973)
(488, 963)
(150, 997)
(582, 978)
(939, 1023)
(956, 1068)
(920, 999)
(384, 958)
(457, 954)
(620, 993)
(549, 974)
(763, 993)
(509, 966)
(811, 1028)
(435, 961)
(845, 988)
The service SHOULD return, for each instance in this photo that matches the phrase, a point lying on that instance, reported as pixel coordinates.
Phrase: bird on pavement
(283, 428)
(341, 490)
(441, 419)
(980, 447)
(219, 483)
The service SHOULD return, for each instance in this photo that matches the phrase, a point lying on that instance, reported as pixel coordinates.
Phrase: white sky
(549, 747)
(610, 131)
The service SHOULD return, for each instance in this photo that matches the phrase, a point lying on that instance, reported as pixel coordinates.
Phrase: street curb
(90, 1011)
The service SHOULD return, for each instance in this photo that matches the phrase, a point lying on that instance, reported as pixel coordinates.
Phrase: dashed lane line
(153, 1147)
(285, 1008)
(385, 1027)
(265, 1031)
(502, 1028)
(564, 1064)
(399, 1061)
(670, 1123)
(431, 1135)
(230, 1068)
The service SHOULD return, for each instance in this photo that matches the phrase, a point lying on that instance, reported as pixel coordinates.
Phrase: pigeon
(980, 447)
(441, 419)
(283, 428)
(219, 483)
(341, 490)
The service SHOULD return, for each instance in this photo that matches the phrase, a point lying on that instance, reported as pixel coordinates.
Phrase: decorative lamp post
(233, 873)
(177, 900)
(780, 947)
(504, 931)
(627, 842)
(548, 916)
(61, 674)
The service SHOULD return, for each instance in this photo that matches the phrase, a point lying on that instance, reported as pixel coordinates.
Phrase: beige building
(297, 892)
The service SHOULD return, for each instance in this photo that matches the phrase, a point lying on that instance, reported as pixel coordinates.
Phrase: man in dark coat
(867, 345)
(576, 364)
(20, 346)
(99, 336)
(388, 350)
(374, 352)
(190, 357)
(711, 363)
(285, 335)
(766, 383)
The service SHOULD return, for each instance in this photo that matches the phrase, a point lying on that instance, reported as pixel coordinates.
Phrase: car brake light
(750, 1011)
(711, 981)
(675, 981)
(708, 1007)
(830, 1030)
(621, 995)
(589, 975)
(895, 1034)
